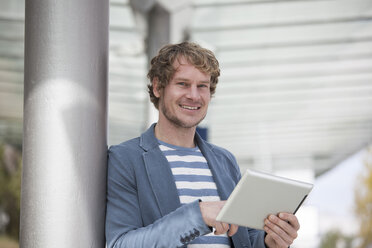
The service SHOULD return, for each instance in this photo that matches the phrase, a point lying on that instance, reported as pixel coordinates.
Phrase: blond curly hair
(161, 66)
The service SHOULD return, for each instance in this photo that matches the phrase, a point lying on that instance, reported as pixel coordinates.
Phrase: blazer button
(183, 241)
(192, 236)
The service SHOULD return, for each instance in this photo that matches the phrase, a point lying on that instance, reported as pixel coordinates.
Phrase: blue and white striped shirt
(194, 181)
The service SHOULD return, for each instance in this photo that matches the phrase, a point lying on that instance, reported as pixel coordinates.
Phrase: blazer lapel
(159, 174)
(225, 185)
(162, 181)
(223, 182)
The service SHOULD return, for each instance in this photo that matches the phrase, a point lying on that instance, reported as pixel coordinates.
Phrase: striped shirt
(194, 181)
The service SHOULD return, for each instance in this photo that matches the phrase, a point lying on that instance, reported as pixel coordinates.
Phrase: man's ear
(155, 85)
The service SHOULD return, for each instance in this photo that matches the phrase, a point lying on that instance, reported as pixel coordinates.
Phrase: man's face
(184, 101)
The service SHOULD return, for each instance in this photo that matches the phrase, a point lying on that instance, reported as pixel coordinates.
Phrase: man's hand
(209, 211)
(281, 230)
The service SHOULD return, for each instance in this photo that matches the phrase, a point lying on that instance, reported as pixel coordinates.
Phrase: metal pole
(165, 24)
(158, 21)
(65, 122)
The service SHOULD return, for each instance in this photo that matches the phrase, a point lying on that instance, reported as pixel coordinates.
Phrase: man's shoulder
(126, 146)
(226, 158)
(219, 150)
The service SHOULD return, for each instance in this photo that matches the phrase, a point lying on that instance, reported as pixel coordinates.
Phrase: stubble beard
(176, 121)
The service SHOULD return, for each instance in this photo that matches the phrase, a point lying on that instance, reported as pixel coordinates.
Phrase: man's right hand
(209, 211)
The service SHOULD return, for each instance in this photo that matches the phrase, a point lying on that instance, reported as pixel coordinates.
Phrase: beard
(177, 121)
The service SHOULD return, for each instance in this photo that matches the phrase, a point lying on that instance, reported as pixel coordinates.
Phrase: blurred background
(294, 97)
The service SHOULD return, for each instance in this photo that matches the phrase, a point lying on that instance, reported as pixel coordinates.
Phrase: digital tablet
(258, 195)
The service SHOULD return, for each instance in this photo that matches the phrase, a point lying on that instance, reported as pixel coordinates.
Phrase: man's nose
(193, 92)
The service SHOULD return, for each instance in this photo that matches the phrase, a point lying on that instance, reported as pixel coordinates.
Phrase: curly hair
(161, 66)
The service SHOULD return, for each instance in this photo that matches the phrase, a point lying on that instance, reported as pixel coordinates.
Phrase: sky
(333, 193)
(334, 190)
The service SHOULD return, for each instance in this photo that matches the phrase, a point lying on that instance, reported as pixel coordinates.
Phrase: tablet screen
(258, 195)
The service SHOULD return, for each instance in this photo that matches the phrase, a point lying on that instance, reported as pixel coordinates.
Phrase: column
(166, 21)
(65, 122)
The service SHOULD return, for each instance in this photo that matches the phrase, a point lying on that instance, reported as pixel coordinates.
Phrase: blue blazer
(143, 206)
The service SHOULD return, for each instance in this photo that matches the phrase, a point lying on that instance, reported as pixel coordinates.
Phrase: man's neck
(174, 135)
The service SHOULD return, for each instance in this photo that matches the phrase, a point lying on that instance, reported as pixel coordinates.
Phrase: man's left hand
(281, 230)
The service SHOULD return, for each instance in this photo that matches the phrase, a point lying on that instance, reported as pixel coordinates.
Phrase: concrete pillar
(65, 122)
(166, 21)
(158, 35)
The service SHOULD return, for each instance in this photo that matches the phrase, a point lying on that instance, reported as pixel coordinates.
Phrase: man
(165, 187)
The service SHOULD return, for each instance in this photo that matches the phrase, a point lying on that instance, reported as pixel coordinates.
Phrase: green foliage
(10, 190)
(363, 203)
(334, 239)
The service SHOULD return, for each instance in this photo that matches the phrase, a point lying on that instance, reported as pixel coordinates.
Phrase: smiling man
(166, 187)
(183, 103)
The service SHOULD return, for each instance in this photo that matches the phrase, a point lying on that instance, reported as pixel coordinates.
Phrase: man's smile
(189, 107)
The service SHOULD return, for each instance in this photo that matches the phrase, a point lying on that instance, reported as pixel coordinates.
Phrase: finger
(291, 218)
(284, 223)
(277, 239)
(221, 228)
(276, 225)
(289, 224)
(225, 227)
(233, 229)
(218, 228)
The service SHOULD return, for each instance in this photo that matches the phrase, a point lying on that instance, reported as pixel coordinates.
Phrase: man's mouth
(189, 107)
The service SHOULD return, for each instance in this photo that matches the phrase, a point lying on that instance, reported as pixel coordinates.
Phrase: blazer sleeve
(124, 226)
(257, 237)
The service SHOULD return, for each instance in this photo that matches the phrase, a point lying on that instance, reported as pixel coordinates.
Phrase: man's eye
(203, 86)
(181, 83)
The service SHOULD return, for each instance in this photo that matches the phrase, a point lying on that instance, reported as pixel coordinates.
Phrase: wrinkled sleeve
(124, 226)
